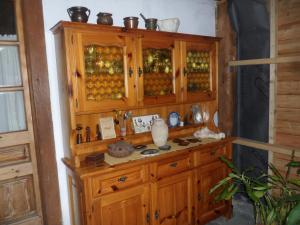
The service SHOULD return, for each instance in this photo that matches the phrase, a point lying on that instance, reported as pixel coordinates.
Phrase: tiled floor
(242, 214)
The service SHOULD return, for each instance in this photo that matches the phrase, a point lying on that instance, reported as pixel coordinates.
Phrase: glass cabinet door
(105, 80)
(156, 71)
(199, 71)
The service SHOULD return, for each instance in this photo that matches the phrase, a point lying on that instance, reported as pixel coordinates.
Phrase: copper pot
(131, 22)
(79, 14)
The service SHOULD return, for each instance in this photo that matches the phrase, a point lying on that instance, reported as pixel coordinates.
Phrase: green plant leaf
(232, 175)
(259, 194)
(294, 216)
(261, 188)
(292, 198)
(277, 175)
(271, 216)
(229, 164)
(221, 183)
(295, 182)
(293, 164)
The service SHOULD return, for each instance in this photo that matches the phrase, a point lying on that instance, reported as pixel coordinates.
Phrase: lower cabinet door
(172, 200)
(127, 207)
(206, 177)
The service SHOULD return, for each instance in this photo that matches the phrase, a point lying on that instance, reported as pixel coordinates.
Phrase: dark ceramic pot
(79, 14)
(105, 18)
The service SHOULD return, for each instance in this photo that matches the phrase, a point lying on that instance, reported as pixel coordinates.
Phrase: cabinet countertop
(111, 164)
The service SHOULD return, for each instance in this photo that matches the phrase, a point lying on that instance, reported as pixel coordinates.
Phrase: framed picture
(143, 124)
(107, 128)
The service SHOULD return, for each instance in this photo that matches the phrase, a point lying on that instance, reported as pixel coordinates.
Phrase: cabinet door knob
(148, 217)
(122, 179)
(174, 164)
(156, 215)
(140, 71)
(130, 72)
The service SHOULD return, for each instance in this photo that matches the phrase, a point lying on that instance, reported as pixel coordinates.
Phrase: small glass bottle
(79, 134)
(87, 134)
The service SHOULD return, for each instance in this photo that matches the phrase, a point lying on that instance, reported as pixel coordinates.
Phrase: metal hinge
(148, 217)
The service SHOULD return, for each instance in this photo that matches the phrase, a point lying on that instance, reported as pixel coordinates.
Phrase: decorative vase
(79, 14)
(159, 132)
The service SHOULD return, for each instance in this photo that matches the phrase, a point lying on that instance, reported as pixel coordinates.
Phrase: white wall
(196, 16)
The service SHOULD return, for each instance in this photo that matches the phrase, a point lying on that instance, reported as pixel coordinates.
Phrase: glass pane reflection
(12, 112)
(9, 66)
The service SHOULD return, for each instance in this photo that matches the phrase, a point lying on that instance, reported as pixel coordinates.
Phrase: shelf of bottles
(197, 69)
(104, 70)
(158, 74)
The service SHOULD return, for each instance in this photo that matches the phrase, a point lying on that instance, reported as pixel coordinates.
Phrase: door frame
(35, 47)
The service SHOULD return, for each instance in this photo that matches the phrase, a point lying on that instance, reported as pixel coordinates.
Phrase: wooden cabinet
(163, 190)
(102, 70)
(206, 177)
(172, 200)
(199, 70)
(112, 69)
(158, 63)
(127, 207)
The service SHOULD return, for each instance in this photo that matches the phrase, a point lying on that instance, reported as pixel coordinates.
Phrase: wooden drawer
(170, 166)
(108, 183)
(209, 155)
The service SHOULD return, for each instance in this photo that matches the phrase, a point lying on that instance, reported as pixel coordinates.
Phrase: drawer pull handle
(213, 152)
(122, 179)
(173, 164)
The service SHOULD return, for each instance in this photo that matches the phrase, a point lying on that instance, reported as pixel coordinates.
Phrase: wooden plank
(15, 171)
(288, 88)
(288, 139)
(287, 31)
(265, 61)
(45, 149)
(288, 72)
(288, 101)
(268, 147)
(288, 114)
(34, 220)
(273, 80)
(17, 199)
(289, 49)
(17, 138)
(288, 127)
(226, 78)
(14, 154)
(285, 156)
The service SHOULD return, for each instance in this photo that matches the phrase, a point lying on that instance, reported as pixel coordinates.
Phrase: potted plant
(275, 197)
